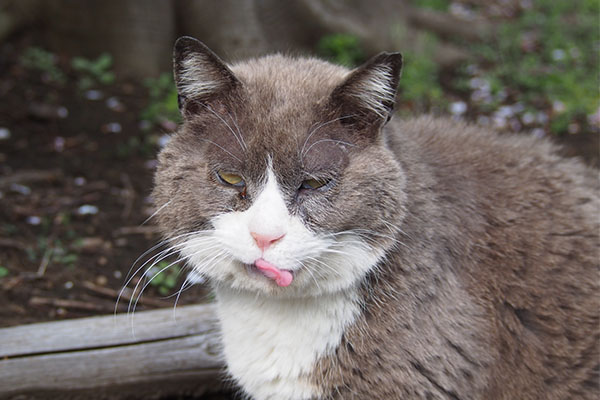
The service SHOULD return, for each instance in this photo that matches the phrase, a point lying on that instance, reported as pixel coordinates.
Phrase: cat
(357, 257)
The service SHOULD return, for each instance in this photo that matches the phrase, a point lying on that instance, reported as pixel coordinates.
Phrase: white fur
(271, 345)
(273, 336)
(196, 78)
(376, 89)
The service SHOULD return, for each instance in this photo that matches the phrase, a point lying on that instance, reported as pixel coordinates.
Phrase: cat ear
(200, 74)
(368, 94)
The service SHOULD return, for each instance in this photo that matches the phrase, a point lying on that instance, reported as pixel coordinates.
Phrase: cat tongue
(281, 276)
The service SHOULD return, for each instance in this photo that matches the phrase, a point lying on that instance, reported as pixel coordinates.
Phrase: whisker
(157, 258)
(221, 147)
(227, 125)
(312, 132)
(326, 140)
(156, 212)
(158, 273)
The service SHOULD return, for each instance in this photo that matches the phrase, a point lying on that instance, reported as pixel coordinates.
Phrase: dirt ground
(75, 176)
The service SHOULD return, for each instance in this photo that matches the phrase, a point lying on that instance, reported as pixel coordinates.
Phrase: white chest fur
(271, 345)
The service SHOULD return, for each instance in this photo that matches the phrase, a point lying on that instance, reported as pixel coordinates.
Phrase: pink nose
(265, 241)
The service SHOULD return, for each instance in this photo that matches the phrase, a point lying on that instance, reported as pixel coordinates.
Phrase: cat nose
(265, 241)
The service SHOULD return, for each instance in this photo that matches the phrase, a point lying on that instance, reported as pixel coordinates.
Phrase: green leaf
(4, 272)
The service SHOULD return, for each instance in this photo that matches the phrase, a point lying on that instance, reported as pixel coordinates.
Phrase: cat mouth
(282, 277)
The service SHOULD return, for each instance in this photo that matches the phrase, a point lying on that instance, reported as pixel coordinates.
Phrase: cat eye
(312, 184)
(230, 179)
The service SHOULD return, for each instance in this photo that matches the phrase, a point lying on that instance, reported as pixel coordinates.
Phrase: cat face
(279, 181)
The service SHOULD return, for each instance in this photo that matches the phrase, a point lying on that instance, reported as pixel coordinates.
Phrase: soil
(75, 176)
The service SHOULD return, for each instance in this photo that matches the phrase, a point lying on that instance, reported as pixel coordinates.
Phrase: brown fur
(489, 286)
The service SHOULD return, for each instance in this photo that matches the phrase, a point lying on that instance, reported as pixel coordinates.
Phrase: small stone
(68, 285)
(91, 244)
(62, 112)
(558, 106)
(118, 274)
(4, 133)
(102, 261)
(101, 280)
(93, 95)
(79, 181)
(33, 220)
(528, 118)
(458, 107)
(21, 189)
(164, 140)
(87, 209)
(115, 104)
(59, 144)
(112, 127)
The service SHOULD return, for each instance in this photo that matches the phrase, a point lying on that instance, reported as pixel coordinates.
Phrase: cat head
(279, 180)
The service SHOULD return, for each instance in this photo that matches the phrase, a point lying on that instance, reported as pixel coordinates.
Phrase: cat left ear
(200, 75)
(369, 92)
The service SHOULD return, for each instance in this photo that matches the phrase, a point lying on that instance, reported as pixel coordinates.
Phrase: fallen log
(153, 354)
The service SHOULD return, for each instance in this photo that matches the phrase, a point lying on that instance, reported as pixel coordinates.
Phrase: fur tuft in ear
(199, 73)
(371, 88)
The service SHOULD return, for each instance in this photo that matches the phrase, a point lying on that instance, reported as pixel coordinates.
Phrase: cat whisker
(237, 128)
(312, 132)
(222, 148)
(169, 250)
(239, 138)
(326, 140)
(187, 257)
(156, 212)
(187, 282)
(325, 265)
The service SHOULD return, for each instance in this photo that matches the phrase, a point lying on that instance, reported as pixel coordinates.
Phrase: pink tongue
(280, 276)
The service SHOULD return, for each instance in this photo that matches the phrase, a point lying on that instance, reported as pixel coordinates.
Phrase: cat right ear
(200, 75)
(369, 92)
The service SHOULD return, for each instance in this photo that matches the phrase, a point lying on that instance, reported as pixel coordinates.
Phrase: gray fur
(489, 287)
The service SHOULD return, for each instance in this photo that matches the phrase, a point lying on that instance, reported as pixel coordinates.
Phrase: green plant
(162, 105)
(549, 56)
(420, 81)
(41, 60)
(163, 276)
(4, 272)
(342, 49)
(94, 72)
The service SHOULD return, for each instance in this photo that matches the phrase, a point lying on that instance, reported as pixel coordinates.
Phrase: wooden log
(152, 354)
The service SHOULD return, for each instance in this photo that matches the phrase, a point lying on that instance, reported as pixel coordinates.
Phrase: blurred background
(87, 99)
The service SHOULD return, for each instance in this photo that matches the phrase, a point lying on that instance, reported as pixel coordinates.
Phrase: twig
(73, 304)
(29, 176)
(4, 242)
(126, 295)
(45, 261)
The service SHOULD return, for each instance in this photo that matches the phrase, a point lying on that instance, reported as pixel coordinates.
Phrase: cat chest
(271, 346)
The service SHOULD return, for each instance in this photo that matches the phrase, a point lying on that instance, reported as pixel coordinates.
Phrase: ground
(75, 175)
(76, 171)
